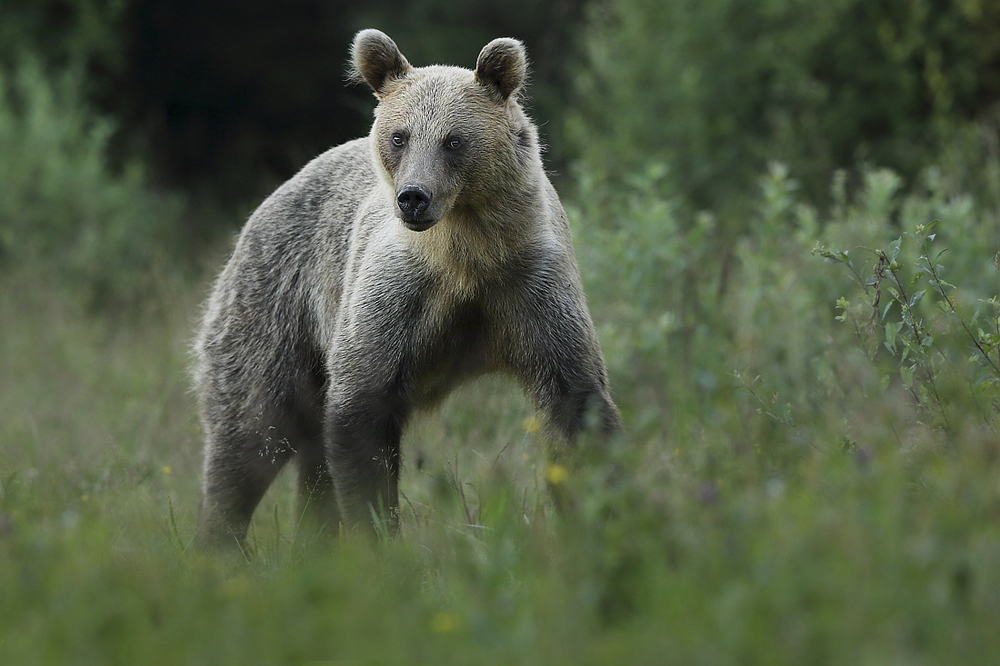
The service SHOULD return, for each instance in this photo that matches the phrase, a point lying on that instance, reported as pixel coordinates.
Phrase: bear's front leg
(551, 346)
(362, 444)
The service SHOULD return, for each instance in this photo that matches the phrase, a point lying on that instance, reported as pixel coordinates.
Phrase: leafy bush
(714, 328)
(948, 358)
(717, 89)
(62, 209)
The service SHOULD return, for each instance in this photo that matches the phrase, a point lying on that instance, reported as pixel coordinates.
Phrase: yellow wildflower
(556, 474)
(444, 622)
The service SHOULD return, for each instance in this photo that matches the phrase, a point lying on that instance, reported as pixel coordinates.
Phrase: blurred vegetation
(229, 98)
(61, 206)
(786, 215)
(727, 86)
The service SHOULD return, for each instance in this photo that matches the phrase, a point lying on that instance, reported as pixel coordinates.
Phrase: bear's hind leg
(236, 478)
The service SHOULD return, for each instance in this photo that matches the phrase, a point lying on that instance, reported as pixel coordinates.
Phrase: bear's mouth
(419, 224)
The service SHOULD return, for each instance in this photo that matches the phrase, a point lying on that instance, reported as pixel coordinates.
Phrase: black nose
(413, 200)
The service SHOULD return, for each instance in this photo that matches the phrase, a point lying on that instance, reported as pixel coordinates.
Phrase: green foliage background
(732, 85)
(786, 215)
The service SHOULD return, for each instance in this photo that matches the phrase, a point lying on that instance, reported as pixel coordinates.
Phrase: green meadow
(806, 354)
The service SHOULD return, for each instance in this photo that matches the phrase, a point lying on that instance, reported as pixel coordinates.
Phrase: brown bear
(386, 272)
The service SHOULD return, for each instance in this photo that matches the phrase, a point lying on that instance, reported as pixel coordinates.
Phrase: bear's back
(327, 189)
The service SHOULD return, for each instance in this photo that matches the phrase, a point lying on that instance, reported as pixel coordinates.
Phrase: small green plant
(911, 314)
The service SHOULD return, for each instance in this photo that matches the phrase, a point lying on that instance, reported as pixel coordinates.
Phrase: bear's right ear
(376, 60)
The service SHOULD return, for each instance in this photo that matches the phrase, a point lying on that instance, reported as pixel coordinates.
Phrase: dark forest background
(220, 101)
(233, 97)
(207, 106)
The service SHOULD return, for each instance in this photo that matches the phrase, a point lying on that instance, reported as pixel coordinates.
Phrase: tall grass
(809, 509)
(805, 478)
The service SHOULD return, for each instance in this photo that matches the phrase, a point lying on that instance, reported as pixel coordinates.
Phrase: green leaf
(884, 382)
(891, 330)
(886, 309)
(917, 297)
(906, 374)
(894, 248)
(787, 415)
(827, 255)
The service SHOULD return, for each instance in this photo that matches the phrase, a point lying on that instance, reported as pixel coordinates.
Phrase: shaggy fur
(389, 270)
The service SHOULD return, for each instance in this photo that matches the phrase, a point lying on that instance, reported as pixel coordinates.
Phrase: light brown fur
(385, 273)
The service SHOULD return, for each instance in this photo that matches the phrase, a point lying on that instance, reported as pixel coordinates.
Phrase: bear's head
(449, 141)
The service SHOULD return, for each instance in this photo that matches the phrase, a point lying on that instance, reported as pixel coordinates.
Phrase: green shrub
(62, 209)
(718, 88)
(944, 350)
(705, 327)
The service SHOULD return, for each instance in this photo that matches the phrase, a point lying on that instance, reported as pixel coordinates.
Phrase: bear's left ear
(502, 67)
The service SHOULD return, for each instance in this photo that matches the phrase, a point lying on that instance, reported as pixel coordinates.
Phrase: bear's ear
(376, 60)
(502, 67)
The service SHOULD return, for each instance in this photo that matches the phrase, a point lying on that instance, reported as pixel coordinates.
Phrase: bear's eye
(398, 140)
(453, 143)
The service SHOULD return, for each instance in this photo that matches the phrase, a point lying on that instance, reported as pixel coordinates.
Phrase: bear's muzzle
(413, 202)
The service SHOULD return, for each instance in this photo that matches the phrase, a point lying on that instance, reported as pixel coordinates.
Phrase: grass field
(791, 490)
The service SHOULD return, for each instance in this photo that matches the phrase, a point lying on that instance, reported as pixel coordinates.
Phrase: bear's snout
(413, 202)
